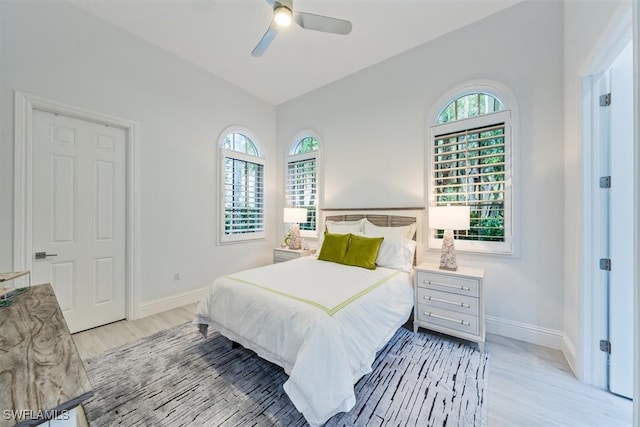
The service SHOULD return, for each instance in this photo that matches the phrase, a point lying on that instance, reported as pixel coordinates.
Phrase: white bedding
(322, 322)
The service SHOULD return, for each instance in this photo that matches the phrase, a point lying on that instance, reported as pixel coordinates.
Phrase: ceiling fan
(283, 14)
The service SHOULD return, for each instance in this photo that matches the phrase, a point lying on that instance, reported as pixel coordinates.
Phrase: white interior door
(621, 225)
(78, 224)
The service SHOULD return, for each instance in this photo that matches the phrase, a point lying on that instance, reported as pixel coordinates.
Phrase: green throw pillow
(334, 247)
(363, 251)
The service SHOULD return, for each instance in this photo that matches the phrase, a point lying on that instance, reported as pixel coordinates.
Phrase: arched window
(302, 183)
(470, 105)
(470, 162)
(242, 186)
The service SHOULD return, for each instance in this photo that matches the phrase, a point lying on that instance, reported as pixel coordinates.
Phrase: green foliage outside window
(243, 188)
(301, 191)
(469, 168)
(475, 104)
(306, 145)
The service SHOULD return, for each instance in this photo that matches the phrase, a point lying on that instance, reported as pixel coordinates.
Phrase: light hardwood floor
(529, 385)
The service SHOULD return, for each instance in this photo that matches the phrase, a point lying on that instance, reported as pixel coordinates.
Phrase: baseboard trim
(525, 332)
(569, 352)
(170, 302)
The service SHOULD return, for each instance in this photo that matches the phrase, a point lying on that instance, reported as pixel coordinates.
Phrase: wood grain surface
(40, 369)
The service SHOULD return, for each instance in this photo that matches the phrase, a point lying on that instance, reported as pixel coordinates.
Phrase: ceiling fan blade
(265, 41)
(309, 21)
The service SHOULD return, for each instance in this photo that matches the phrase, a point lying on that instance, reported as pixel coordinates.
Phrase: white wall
(584, 23)
(58, 51)
(373, 126)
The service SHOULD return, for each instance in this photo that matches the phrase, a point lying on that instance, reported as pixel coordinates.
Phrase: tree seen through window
(471, 163)
(302, 187)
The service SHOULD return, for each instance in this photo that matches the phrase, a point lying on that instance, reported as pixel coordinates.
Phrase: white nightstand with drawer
(450, 302)
(285, 254)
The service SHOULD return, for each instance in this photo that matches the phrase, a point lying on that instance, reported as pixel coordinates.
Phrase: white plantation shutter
(301, 188)
(242, 190)
(471, 164)
(243, 197)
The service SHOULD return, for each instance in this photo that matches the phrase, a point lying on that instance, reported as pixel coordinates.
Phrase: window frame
(292, 157)
(508, 116)
(223, 237)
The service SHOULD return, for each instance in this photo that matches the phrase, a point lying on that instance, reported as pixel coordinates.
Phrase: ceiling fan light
(282, 16)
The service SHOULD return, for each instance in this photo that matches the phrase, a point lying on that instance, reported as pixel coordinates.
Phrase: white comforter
(322, 322)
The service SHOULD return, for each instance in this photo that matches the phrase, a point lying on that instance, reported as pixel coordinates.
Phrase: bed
(323, 321)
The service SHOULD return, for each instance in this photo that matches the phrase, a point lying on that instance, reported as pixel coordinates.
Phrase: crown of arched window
(470, 105)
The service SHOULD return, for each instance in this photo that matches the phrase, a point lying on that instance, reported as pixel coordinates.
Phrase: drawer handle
(448, 285)
(437, 316)
(461, 304)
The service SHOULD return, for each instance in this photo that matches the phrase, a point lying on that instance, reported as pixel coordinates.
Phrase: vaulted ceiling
(218, 35)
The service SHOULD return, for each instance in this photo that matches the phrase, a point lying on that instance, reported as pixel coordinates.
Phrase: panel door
(78, 205)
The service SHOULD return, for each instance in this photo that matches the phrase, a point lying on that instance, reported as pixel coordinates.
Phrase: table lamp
(294, 216)
(449, 218)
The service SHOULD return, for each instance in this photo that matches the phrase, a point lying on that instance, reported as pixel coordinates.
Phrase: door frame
(636, 205)
(594, 303)
(24, 105)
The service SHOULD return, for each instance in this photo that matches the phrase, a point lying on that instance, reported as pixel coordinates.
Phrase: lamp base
(448, 255)
(295, 242)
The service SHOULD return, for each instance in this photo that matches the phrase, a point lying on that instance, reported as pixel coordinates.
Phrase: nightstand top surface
(462, 271)
(310, 251)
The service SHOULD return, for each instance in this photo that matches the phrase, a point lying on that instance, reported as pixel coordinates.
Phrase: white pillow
(345, 227)
(402, 232)
(396, 253)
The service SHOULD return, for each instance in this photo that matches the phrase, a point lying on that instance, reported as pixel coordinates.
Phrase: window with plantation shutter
(242, 189)
(301, 186)
(470, 154)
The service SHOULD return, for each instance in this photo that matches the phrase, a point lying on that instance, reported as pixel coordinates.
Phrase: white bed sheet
(324, 351)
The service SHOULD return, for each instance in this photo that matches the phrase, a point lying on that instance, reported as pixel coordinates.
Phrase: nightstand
(450, 302)
(284, 254)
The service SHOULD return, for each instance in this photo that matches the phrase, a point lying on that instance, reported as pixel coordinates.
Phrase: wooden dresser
(41, 373)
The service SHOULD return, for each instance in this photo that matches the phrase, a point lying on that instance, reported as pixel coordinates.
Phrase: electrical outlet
(176, 276)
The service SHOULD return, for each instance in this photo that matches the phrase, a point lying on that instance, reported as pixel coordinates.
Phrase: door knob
(43, 255)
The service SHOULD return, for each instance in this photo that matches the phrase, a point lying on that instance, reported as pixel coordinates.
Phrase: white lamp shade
(449, 217)
(295, 215)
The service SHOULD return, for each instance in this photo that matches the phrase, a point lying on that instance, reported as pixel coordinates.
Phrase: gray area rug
(177, 378)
